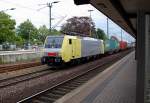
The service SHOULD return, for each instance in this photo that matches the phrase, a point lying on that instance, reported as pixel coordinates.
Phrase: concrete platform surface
(117, 84)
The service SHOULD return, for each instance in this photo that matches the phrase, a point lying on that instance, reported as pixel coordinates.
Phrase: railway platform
(117, 84)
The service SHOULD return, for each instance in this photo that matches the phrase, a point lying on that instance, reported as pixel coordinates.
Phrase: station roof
(122, 12)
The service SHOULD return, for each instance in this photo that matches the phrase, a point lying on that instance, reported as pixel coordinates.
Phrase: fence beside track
(17, 56)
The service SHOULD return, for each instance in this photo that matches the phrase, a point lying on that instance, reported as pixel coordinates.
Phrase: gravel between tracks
(13, 81)
(12, 74)
(18, 66)
(16, 92)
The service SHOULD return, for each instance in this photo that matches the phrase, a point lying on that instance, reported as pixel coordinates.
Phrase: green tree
(55, 32)
(19, 41)
(43, 32)
(7, 28)
(101, 34)
(27, 31)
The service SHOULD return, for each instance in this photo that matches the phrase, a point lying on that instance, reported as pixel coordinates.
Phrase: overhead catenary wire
(59, 22)
(29, 8)
(49, 5)
(22, 6)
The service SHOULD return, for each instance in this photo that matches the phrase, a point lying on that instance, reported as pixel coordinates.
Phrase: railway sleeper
(74, 85)
(90, 76)
(37, 101)
(68, 87)
(77, 82)
(84, 79)
(63, 89)
(53, 95)
(81, 80)
(71, 85)
(58, 92)
(46, 99)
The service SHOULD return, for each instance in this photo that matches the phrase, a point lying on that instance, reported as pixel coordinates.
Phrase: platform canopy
(122, 12)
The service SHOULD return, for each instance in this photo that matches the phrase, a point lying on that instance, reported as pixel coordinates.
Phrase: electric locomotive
(67, 48)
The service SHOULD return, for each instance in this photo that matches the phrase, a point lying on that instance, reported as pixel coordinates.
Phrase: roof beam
(80, 2)
(132, 15)
(126, 24)
(122, 12)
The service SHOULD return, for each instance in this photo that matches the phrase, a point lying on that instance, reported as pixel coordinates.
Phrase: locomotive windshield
(53, 42)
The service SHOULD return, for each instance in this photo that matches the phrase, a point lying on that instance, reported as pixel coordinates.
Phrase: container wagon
(111, 45)
(123, 45)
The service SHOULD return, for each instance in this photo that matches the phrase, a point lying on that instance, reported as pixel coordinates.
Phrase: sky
(37, 12)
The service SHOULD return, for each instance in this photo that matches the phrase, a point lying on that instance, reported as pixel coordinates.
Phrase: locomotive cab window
(70, 41)
(53, 42)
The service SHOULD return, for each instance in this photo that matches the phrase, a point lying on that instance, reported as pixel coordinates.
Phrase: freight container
(111, 45)
(123, 45)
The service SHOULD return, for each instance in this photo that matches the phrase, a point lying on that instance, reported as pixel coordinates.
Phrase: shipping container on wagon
(116, 43)
(123, 45)
(111, 45)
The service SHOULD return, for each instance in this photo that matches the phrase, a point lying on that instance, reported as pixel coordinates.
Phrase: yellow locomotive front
(52, 50)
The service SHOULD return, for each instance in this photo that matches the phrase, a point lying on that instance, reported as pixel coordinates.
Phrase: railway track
(17, 79)
(18, 66)
(53, 93)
